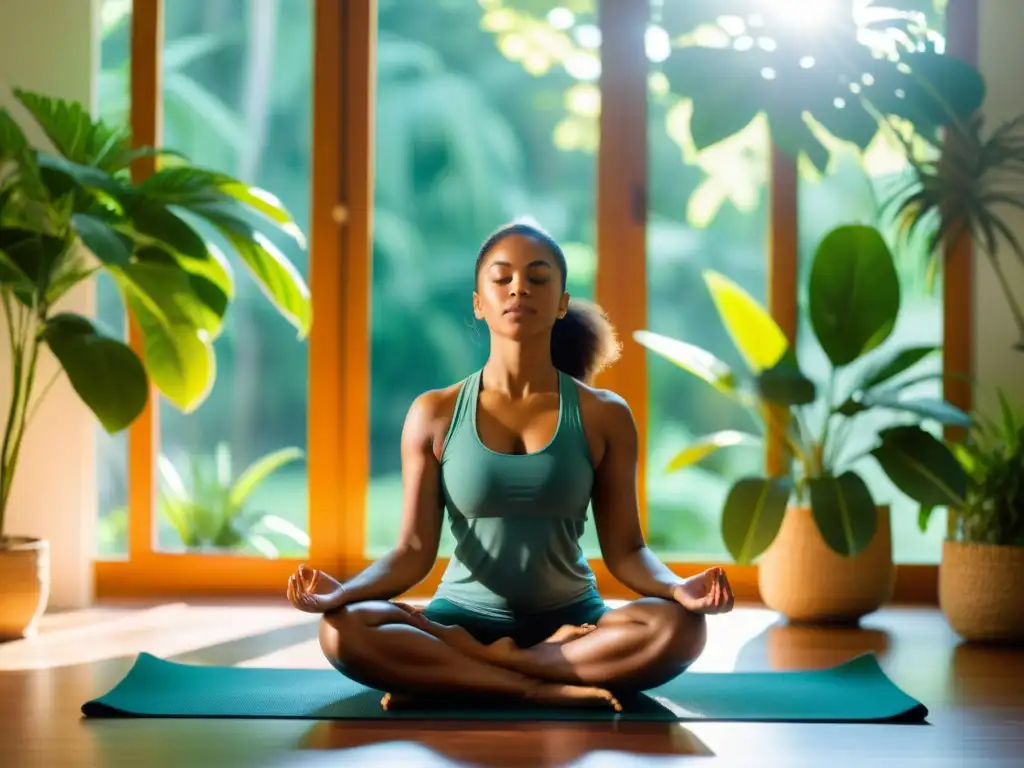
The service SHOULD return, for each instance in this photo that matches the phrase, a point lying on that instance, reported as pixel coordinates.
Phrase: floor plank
(975, 695)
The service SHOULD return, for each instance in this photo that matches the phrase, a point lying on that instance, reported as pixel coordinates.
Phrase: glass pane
(238, 92)
(705, 211)
(112, 450)
(485, 111)
(853, 190)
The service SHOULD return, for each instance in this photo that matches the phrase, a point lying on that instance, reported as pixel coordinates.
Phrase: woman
(516, 452)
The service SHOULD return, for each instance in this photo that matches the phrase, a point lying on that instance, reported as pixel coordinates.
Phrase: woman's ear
(478, 312)
(563, 305)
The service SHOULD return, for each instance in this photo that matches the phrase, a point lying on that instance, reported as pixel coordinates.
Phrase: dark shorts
(525, 630)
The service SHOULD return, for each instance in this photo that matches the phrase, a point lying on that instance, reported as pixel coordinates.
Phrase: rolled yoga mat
(856, 691)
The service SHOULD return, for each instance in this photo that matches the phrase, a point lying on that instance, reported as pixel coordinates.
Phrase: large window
(485, 112)
(469, 113)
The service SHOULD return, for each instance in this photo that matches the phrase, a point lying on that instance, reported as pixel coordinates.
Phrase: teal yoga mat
(857, 691)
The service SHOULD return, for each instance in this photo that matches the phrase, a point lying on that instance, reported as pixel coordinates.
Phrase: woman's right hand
(314, 591)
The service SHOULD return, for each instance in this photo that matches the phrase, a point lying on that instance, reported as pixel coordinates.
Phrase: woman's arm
(616, 511)
(422, 511)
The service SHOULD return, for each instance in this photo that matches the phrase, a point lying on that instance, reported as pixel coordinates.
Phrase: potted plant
(981, 576)
(824, 541)
(68, 214)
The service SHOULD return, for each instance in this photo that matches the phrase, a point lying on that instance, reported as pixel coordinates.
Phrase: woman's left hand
(707, 592)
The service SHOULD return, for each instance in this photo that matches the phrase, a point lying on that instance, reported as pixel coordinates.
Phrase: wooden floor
(976, 698)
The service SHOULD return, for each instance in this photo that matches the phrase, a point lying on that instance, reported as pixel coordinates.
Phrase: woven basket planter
(24, 585)
(802, 578)
(981, 591)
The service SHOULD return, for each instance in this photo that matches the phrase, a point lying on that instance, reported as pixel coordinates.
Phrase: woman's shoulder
(603, 406)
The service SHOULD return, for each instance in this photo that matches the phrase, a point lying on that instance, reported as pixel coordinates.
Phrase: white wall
(50, 46)
(1001, 57)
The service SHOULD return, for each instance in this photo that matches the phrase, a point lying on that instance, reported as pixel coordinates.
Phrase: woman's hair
(584, 342)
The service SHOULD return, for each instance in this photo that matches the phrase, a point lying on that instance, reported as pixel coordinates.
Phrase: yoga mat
(856, 691)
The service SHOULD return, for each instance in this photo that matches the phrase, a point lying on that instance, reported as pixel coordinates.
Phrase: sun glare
(802, 14)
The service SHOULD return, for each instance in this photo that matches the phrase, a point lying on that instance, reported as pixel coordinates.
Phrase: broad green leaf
(276, 276)
(155, 226)
(84, 176)
(895, 363)
(695, 360)
(844, 512)
(755, 333)
(195, 188)
(259, 471)
(785, 384)
(714, 120)
(107, 375)
(753, 514)
(107, 245)
(703, 447)
(921, 466)
(926, 408)
(180, 362)
(167, 292)
(854, 293)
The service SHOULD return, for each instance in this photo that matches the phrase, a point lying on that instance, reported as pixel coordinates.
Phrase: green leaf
(36, 255)
(714, 120)
(921, 466)
(753, 514)
(895, 363)
(107, 375)
(197, 188)
(703, 447)
(926, 408)
(74, 133)
(179, 359)
(167, 292)
(257, 472)
(107, 245)
(785, 384)
(924, 516)
(849, 122)
(844, 512)
(758, 338)
(11, 273)
(854, 293)
(794, 137)
(156, 226)
(695, 360)
(276, 276)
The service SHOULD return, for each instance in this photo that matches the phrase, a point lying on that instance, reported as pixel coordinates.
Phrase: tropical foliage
(69, 214)
(208, 506)
(993, 456)
(854, 302)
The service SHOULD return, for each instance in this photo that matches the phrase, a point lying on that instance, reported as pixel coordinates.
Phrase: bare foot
(570, 632)
(574, 696)
(556, 694)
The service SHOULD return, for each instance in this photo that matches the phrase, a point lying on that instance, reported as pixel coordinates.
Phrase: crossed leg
(632, 648)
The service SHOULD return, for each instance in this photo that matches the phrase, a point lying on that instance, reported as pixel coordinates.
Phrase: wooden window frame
(340, 267)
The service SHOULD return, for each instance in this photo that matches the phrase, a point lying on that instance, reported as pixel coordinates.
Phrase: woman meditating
(516, 453)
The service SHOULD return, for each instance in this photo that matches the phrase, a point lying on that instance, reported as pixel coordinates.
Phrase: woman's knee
(679, 635)
(343, 631)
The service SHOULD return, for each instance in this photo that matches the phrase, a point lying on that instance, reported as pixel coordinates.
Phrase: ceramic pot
(980, 591)
(806, 581)
(24, 585)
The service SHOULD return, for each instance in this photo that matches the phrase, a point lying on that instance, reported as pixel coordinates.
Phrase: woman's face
(519, 288)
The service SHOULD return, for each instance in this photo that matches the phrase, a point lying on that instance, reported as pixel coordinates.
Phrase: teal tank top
(516, 519)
